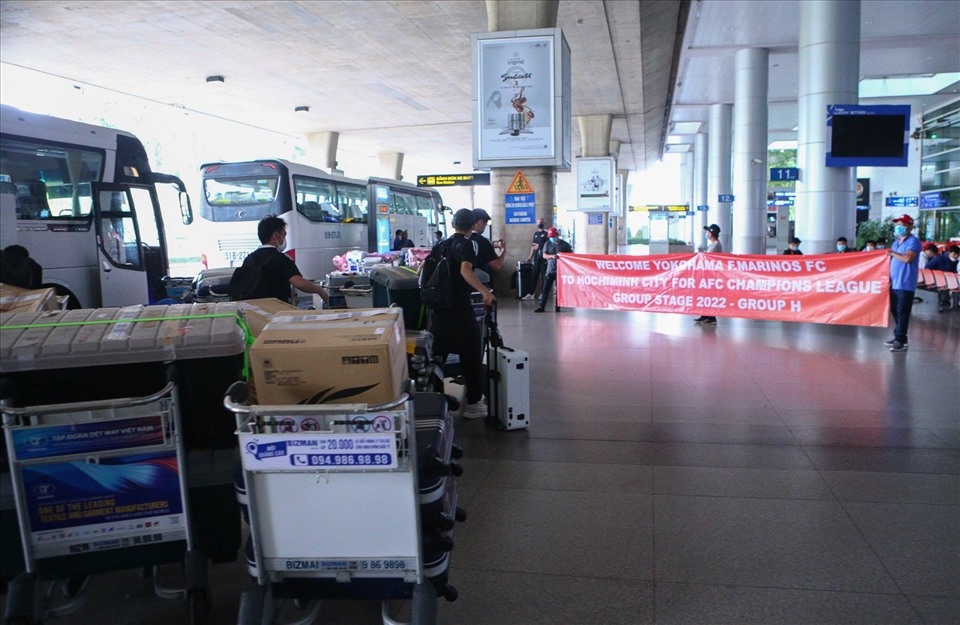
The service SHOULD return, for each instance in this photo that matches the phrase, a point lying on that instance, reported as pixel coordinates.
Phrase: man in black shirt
(487, 258)
(455, 330)
(536, 257)
(278, 272)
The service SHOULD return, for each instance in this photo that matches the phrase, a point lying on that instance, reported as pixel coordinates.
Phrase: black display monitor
(862, 135)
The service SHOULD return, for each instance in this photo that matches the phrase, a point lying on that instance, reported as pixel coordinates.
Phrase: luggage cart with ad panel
(99, 486)
(333, 505)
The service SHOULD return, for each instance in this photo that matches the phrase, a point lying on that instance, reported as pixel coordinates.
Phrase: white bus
(326, 215)
(83, 200)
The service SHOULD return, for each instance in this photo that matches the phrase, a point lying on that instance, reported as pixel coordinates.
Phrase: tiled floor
(753, 472)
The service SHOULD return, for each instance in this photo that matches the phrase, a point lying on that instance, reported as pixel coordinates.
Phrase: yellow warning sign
(519, 184)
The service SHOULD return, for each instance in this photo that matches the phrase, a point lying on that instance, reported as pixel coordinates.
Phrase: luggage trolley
(99, 486)
(333, 505)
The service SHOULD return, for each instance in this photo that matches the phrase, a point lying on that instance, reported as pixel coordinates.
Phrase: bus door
(124, 255)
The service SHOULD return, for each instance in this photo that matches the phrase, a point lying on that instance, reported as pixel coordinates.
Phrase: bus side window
(32, 200)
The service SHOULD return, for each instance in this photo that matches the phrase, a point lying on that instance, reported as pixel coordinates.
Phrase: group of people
(401, 240)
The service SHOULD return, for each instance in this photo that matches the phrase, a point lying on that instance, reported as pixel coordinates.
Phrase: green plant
(874, 230)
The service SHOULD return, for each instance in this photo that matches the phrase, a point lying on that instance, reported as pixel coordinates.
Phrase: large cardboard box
(344, 357)
(17, 299)
(259, 312)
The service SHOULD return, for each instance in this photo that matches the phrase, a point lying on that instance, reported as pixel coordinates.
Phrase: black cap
(713, 228)
(463, 219)
(479, 213)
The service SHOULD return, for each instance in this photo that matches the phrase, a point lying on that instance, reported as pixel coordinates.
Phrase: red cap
(552, 232)
(904, 219)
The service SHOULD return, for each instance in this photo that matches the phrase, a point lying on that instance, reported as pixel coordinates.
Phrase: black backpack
(436, 280)
(246, 279)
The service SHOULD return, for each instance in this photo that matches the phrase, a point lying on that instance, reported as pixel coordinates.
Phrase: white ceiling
(394, 76)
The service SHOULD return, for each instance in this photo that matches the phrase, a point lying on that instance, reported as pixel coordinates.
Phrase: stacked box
(354, 356)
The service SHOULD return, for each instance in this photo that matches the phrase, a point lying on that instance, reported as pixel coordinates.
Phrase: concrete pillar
(719, 172)
(594, 141)
(701, 155)
(521, 14)
(750, 151)
(505, 15)
(322, 147)
(391, 164)
(685, 227)
(622, 210)
(829, 65)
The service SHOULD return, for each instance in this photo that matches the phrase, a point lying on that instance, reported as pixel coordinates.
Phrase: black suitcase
(525, 285)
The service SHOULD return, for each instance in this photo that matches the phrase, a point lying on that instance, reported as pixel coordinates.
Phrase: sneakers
(898, 347)
(475, 411)
(890, 342)
(557, 309)
(538, 309)
(528, 296)
(708, 321)
(699, 319)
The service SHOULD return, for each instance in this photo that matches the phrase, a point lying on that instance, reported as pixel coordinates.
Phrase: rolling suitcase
(525, 285)
(508, 375)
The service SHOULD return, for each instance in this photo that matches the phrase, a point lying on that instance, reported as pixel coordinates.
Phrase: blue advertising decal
(356, 451)
(68, 494)
(87, 437)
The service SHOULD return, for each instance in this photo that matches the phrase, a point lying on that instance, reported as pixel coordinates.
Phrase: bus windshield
(240, 199)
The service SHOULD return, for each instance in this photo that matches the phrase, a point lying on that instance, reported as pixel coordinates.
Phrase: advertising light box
(521, 96)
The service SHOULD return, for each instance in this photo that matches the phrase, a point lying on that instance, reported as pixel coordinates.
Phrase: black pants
(538, 267)
(456, 331)
(548, 281)
(901, 304)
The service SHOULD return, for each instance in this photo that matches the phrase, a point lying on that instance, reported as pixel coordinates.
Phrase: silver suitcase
(509, 399)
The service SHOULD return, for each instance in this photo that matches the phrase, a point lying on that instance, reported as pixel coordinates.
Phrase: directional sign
(783, 173)
(453, 180)
(661, 208)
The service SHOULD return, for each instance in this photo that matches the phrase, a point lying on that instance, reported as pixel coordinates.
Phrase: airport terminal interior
(753, 472)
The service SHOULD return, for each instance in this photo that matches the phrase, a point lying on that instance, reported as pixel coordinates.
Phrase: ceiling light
(302, 109)
(218, 79)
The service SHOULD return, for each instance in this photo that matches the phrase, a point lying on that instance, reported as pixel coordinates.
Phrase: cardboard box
(338, 357)
(259, 312)
(15, 299)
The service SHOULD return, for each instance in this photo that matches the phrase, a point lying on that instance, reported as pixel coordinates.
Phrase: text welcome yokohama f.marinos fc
(843, 289)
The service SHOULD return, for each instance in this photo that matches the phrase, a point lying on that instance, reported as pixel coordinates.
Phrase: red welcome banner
(843, 289)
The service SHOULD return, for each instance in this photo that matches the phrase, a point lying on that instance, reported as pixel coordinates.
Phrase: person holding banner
(842, 247)
(904, 256)
(713, 247)
(554, 245)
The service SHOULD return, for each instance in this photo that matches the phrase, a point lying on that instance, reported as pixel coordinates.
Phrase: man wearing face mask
(713, 247)
(904, 256)
(554, 245)
(536, 256)
(842, 247)
(277, 271)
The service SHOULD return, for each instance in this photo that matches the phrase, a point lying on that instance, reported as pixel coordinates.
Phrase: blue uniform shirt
(903, 276)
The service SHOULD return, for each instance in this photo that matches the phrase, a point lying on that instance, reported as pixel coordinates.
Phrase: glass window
(352, 201)
(316, 199)
(51, 182)
(240, 191)
(118, 232)
(404, 203)
(426, 208)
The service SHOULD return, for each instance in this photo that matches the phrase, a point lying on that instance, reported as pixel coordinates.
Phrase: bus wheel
(72, 302)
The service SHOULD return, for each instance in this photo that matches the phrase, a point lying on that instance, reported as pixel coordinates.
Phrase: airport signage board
(595, 180)
(453, 180)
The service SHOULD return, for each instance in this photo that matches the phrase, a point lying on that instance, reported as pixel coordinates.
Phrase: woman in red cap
(904, 256)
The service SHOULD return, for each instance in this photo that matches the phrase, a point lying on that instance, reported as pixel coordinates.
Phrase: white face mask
(282, 245)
